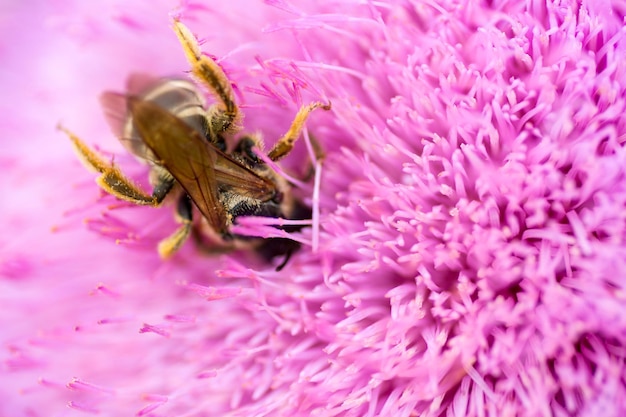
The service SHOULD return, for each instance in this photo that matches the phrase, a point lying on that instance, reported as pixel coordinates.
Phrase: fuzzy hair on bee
(166, 123)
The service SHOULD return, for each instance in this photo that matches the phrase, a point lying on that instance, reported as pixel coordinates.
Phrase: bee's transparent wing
(177, 96)
(120, 122)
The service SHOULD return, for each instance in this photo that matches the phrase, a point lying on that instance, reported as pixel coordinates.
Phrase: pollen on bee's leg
(115, 183)
(90, 158)
(208, 72)
(171, 244)
(285, 143)
(187, 40)
(168, 246)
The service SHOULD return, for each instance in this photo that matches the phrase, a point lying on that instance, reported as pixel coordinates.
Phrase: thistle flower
(467, 251)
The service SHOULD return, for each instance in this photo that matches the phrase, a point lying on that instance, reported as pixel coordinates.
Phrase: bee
(167, 123)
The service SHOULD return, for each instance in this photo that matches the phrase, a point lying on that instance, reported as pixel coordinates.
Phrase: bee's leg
(169, 245)
(224, 117)
(114, 181)
(285, 143)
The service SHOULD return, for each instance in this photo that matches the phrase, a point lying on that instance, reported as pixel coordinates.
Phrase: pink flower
(469, 256)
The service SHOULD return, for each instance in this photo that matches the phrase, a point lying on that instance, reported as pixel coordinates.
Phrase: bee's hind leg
(115, 182)
(171, 244)
(223, 117)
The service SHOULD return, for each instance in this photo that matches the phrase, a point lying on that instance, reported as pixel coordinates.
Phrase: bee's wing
(138, 83)
(177, 96)
(198, 166)
(242, 180)
(116, 114)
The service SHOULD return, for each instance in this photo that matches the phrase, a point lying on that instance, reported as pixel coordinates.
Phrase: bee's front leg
(285, 143)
